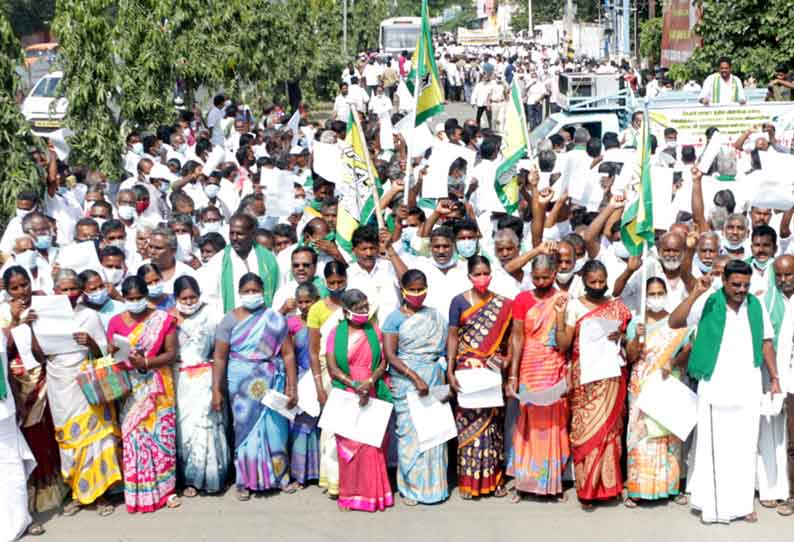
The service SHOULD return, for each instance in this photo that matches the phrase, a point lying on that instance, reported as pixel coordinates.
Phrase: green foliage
(18, 169)
(28, 16)
(651, 40)
(756, 34)
(85, 29)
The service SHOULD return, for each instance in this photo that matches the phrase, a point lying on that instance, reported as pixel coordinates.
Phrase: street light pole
(531, 26)
(344, 29)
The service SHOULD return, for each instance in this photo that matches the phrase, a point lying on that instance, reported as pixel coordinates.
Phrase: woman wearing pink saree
(356, 364)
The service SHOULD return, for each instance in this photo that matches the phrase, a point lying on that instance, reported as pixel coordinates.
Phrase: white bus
(399, 34)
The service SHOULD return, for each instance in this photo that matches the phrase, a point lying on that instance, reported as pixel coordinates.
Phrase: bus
(399, 34)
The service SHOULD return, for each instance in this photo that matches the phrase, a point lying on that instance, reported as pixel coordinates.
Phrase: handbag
(103, 380)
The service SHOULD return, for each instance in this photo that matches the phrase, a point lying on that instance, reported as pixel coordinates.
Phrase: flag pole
(371, 171)
(644, 286)
(409, 165)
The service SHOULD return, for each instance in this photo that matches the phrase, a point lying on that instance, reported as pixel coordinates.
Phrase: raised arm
(698, 207)
(678, 317)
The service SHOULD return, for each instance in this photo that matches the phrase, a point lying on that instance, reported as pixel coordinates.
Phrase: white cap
(161, 171)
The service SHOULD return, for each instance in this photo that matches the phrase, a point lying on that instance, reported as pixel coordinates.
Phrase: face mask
(261, 222)
(716, 283)
(156, 290)
(118, 243)
(186, 132)
(595, 293)
(705, 269)
(619, 249)
(252, 301)
(210, 227)
(63, 190)
(671, 144)
(27, 259)
(414, 300)
(450, 263)
(137, 148)
(164, 186)
(671, 264)
(136, 307)
(761, 266)
(466, 247)
(564, 277)
(656, 303)
(480, 282)
(408, 233)
(187, 310)
(182, 148)
(141, 206)
(731, 245)
(112, 275)
(478, 142)
(212, 190)
(578, 264)
(43, 242)
(126, 212)
(358, 318)
(300, 205)
(336, 294)
(97, 298)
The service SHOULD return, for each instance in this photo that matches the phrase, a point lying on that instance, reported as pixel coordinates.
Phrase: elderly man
(162, 253)
(242, 255)
(25, 254)
(734, 339)
(722, 87)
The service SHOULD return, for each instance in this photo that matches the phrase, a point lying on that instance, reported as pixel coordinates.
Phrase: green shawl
(340, 353)
(268, 272)
(3, 391)
(775, 303)
(715, 92)
(708, 342)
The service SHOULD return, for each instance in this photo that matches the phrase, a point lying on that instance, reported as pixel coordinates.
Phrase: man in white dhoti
(784, 279)
(16, 463)
(734, 337)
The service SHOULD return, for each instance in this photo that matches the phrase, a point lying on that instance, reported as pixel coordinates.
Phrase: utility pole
(344, 29)
(531, 26)
(625, 30)
(651, 9)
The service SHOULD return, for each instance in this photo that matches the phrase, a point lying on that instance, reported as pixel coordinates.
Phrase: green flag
(429, 97)
(515, 147)
(636, 225)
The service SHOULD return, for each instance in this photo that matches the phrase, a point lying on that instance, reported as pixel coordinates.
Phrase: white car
(43, 108)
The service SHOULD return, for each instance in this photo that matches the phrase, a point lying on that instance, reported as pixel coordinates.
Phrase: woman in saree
(88, 435)
(540, 441)
(153, 277)
(254, 354)
(304, 435)
(479, 323)
(148, 414)
(46, 489)
(321, 320)
(97, 297)
(414, 338)
(654, 454)
(202, 447)
(356, 365)
(597, 408)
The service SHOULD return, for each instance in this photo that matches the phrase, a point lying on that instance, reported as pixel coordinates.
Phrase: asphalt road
(308, 515)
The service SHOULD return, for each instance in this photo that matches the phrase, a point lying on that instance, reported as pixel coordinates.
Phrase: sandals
(630, 503)
(173, 502)
(190, 492)
(785, 508)
(681, 500)
(105, 509)
(71, 509)
(500, 492)
(751, 518)
(35, 529)
(243, 495)
(516, 498)
(410, 502)
(466, 496)
(294, 487)
(769, 504)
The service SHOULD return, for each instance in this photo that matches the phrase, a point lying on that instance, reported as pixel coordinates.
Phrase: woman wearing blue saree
(254, 353)
(414, 338)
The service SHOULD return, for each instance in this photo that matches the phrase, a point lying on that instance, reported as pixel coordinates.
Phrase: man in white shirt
(722, 87)
(536, 93)
(27, 202)
(342, 103)
(134, 152)
(380, 104)
(373, 275)
(303, 268)
(162, 252)
(480, 98)
(214, 118)
(652, 86)
(357, 96)
(371, 76)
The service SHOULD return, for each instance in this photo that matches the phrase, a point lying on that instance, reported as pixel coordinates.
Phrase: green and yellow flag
(356, 203)
(636, 225)
(515, 147)
(430, 97)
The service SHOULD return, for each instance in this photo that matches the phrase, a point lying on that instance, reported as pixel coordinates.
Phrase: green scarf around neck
(3, 390)
(725, 178)
(774, 301)
(268, 272)
(340, 353)
(708, 341)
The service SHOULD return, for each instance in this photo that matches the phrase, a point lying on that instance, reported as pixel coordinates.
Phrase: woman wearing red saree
(478, 338)
(597, 408)
(356, 363)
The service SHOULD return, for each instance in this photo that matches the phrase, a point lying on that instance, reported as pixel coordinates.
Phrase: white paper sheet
(671, 403)
(124, 348)
(710, 152)
(79, 257)
(279, 193)
(405, 97)
(55, 324)
(386, 133)
(600, 357)
(184, 247)
(771, 405)
(278, 401)
(546, 397)
(435, 182)
(481, 388)
(432, 419)
(307, 395)
(327, 161)
(343, 415)
(23, 339)
(440, 392)
(662, 192)
(418, 139)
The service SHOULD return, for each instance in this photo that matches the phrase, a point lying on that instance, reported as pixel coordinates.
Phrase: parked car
(44, 108)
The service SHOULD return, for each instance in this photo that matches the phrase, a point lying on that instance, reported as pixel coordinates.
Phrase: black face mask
(336, 294)
(595, 293)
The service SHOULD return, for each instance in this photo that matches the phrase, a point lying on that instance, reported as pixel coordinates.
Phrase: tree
(19, 172)
(85, 29)
(29, 16)
(756, 34)
(651, 40)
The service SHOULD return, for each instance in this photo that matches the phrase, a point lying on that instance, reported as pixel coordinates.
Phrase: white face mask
(137, 148)
(188, 310)
(716, 283)
(210, 227)
(127, 212)
(564, 277)
(656, 303)
(27, 259)
(578, 265)
(112, 275)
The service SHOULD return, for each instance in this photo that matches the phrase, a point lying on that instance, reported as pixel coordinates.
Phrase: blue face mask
(466, 247)
(262, 222)
(97, 298)
(761, 266)
(252, 301)
(705, 269)
(43, 242)
(136, 307)
(156, 290)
